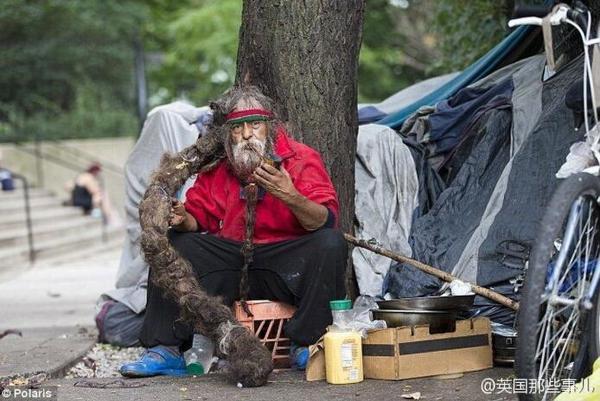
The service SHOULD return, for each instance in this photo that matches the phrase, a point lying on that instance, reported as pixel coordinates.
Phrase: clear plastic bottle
(199, 358)
(343, 347)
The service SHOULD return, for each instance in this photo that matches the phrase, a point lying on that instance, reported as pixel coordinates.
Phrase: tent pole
(484, 292)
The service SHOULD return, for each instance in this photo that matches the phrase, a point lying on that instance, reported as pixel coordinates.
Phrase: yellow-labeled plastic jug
(343, 348)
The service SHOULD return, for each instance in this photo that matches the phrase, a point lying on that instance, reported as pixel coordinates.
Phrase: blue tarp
(476, 71)
(368, 113)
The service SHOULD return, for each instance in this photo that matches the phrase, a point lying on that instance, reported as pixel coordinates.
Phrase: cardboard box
(407, 352)
(315, 368)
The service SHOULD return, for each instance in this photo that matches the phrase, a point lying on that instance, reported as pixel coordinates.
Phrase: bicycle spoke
(554, 346)
(542, 332)
(568, 345)
(573, 258)
(559, 332)
(566, 248)
(587, 250)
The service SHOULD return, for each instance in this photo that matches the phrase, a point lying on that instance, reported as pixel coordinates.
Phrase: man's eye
(236, 127)
(256, 124)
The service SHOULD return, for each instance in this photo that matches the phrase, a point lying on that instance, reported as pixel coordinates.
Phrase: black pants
(306, 272)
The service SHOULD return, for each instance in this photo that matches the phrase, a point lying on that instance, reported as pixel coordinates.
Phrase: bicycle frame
(559, 15)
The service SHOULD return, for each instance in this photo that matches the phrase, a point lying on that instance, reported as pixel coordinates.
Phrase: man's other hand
(177, 215)
(277, 182)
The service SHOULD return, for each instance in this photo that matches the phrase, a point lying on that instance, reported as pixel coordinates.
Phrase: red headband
(248, 115)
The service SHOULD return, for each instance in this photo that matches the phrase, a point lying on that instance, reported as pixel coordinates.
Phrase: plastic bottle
(343, 347)
(96, 213)
(199, 358)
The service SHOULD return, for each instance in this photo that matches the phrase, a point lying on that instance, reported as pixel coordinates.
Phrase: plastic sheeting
(168, 128)
(476, 71)
(438, 236)
(583, 155)
(371, 210)
(386, 194)
(368, 113)
(499, 193)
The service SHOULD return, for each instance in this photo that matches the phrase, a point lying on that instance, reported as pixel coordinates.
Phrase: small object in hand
(273, 161)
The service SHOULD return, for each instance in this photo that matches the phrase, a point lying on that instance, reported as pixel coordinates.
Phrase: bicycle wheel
(557, 338)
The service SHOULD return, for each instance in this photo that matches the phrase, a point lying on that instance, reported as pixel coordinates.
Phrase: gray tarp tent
(502, 176)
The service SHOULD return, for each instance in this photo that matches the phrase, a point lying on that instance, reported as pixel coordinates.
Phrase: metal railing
(86, 157)
(28, 220)
(39, 154)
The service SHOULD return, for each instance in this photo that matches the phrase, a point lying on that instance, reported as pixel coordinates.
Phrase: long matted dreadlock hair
(250, 362)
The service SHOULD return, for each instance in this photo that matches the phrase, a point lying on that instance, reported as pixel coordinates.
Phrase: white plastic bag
(582, 155)
(359, 317)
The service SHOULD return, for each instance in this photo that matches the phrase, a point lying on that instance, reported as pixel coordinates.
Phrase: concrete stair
(59, 232)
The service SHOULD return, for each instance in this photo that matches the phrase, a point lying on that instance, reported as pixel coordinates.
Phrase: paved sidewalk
(50, 295)
(44, 350)
(53, 306)
(286, 385)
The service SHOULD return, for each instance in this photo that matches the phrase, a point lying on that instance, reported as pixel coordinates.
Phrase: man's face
(247, 147)
(247, 131)
(247, 144)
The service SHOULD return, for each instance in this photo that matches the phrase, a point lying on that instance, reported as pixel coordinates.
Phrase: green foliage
(92, 115)
(199, 51)
(52, 49)
(396, 49)
(379, 54)
(417, 39)
(67, 65)
(466, 30)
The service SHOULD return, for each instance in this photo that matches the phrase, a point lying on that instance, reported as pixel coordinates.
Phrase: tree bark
(304, 55)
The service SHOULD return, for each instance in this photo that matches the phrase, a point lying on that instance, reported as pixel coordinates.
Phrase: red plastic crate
(267, 324)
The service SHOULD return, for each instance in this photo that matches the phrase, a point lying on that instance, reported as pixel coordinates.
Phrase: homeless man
(298, 257)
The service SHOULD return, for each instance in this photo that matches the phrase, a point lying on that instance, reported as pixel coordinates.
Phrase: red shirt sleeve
(312, 180)
(200, 203)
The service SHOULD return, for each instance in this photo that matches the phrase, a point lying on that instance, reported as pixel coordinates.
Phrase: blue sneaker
(298, 357)
(155, 361)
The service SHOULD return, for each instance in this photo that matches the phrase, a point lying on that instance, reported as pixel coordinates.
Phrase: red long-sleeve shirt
(214, 199)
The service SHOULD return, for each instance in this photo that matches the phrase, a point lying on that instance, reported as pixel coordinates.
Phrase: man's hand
(180, 219)
(276, 182)
(178, 213)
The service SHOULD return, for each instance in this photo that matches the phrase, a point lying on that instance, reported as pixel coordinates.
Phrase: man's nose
(247, 132)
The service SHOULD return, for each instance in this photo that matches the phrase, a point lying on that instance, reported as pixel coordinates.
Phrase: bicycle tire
(551, 226)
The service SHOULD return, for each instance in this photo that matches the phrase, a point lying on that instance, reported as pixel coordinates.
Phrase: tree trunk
(304, 55)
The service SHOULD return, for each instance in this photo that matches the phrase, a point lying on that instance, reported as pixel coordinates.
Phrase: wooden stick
(485, 292)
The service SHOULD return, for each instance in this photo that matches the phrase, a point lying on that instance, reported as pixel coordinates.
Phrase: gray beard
(245, 157)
